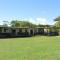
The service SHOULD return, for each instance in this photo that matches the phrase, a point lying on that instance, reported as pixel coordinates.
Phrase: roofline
(27, 27)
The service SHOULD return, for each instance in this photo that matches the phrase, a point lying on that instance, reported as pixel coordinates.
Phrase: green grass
(32, 48)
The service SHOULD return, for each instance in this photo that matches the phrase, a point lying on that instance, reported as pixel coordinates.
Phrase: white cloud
(41, 20)
(32, 20)
(52, 22)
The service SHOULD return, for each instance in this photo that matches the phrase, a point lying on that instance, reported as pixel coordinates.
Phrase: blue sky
(35, 11)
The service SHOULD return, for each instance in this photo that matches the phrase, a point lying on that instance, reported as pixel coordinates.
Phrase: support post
(29, 31)
(17, 30)
(2, 30)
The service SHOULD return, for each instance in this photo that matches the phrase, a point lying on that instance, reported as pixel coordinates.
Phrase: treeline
(17, 23)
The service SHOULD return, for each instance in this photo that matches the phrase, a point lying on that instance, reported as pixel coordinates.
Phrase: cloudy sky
(35, 11)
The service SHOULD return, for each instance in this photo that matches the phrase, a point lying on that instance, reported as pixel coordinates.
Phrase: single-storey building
(26, 31)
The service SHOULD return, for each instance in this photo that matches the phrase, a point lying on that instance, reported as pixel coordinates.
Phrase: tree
(57, 24)
(57, 19)
(5, 23)
(16, 23)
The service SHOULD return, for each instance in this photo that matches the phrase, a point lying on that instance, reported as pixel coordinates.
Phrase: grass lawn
(31, 48)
